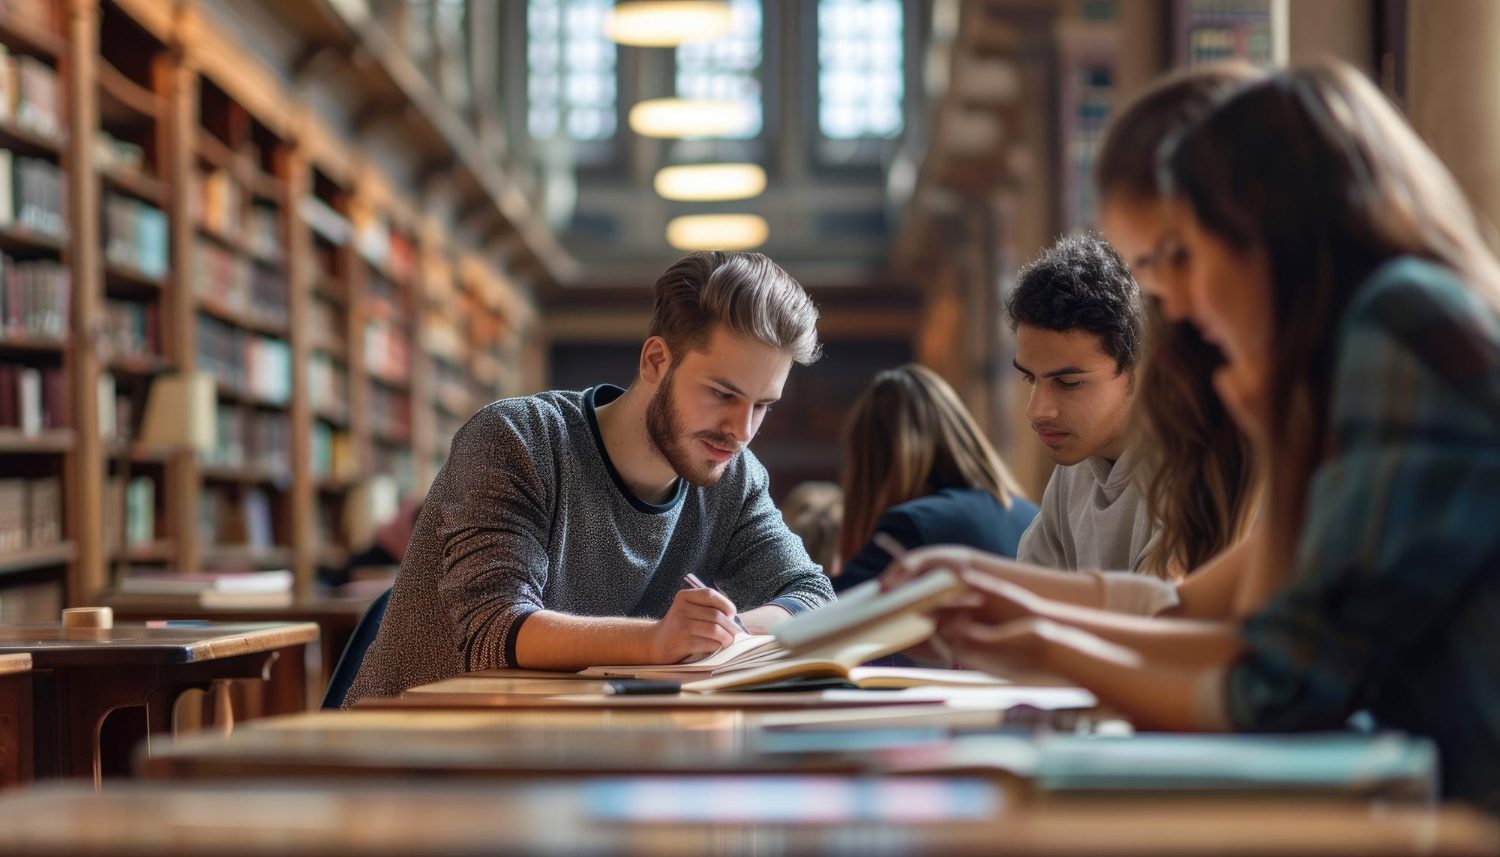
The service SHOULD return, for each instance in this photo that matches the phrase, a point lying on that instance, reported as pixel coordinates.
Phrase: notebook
(833, 640)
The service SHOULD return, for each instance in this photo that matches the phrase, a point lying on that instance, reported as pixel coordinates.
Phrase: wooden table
(82, 676)
(15, 720)
(336, 619)
(504, 743)
(526, 689)
(735, 815)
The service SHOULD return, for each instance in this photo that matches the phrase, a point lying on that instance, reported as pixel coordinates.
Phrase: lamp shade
(667, 23)
(717, 232)
(710, 182)
(672, 118)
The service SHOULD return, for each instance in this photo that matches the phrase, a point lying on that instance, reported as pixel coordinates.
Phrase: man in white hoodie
(1078, 319)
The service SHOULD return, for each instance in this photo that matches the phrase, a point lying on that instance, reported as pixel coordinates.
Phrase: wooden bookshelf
(42, 434)
(185, 162)
(37, 558)
(133, 264)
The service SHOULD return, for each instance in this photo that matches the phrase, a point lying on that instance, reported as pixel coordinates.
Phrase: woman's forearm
(1151, 694)
(1182, 642)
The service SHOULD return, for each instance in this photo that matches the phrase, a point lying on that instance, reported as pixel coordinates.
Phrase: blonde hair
(745, 292)
(909, 436)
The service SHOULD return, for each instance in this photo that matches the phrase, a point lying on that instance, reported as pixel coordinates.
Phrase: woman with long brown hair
(918, 469)
(1331, 257)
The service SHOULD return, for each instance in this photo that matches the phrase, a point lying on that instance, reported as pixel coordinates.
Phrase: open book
(831, 641)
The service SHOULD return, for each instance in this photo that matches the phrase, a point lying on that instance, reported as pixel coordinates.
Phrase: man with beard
(561, 531)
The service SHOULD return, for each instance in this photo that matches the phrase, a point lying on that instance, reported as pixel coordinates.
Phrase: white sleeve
(1138, 594)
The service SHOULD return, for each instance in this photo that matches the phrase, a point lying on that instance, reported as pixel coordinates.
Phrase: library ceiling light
(717, 232)
(710, 182)
(673, 118)
(667, 23)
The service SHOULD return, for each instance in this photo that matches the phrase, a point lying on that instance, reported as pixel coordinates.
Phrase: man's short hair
(1081, 283)
(746, 293)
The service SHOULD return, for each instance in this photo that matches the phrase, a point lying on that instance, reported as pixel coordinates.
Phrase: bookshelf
(1215, 30)
(129, 168)
(38, 436)
(1087, 83)
(180, 234)
(327, 263)
(387, 283)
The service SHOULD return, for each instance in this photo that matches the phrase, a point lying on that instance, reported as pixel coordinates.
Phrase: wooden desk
(83, 675)
(15, 720)
(848, 816)
(507, 743)
(518, 689)
(336, 619)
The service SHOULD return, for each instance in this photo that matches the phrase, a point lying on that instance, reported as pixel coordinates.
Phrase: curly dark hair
(1080, 283)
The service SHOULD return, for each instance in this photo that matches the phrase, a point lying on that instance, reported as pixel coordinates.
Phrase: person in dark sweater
(562, 528)
(919, 470)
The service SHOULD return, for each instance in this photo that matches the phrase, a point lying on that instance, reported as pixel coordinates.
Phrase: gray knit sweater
(529, 514)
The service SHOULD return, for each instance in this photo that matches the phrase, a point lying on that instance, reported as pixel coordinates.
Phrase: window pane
(728, 68)
(860, 83)
(572, 69)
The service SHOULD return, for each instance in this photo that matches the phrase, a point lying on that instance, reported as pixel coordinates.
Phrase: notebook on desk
(833, 640)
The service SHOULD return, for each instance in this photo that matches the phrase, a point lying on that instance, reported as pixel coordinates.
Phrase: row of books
(30, 514)
(387, 351)
(232, 282)
(390, 414)
(265, 236)
(1218, 30)
(324, 328)
(328, 387)
(31, 603)
(131, 329)
(35, 299)
(33, 399)
(395, 462)
(236, 517)
(384, 249)
(219, 203)
(255, 439)
(112, 153)
(135, 235)
(116, 411)
(33, 195)
(30, 94)
(442, 337)
(332, 453)
(452, 390)
(254, 365)
(129, 513)
(325, 221)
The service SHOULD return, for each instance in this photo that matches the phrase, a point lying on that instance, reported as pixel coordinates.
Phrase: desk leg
(84, 698)
(16, 762)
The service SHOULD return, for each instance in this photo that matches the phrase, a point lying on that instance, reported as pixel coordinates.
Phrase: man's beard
(664, 429)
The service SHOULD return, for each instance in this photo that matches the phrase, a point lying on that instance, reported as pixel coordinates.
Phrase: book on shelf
(35, 298)
(832, 641)
(30, 603)
(135, 235)
(38, 97)
(132, 329)
(13, 525)
(33, 399)
(140, 512)
(30, 514)
(41, 202)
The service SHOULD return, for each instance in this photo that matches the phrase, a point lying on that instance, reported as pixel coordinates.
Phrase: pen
(692, 582)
